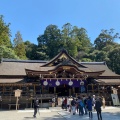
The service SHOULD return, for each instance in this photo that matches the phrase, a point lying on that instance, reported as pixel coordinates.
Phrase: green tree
(114, 57)
(4, 33)
(77, 38)
(106, 37)
(50, 42)
(6, 52)
(19, 46)
(68, 40)
(32, 51)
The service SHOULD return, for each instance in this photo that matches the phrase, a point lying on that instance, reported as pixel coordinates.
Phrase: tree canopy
(19, 46)
(72, 38)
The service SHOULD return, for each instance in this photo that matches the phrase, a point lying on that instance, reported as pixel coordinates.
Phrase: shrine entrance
(63, 90)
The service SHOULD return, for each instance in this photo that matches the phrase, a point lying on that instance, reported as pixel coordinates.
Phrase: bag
(81, 104)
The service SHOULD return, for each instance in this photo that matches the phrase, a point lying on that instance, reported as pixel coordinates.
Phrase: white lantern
(70, 83)
(81, 83)
(57, 83)
(45, 83)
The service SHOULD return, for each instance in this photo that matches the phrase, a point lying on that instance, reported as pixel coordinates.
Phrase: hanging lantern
(70, 83)
(81, 83)
(57, 83)
(45, 83)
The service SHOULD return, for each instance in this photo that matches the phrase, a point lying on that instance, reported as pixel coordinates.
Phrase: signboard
(18, 93)
(115, 99)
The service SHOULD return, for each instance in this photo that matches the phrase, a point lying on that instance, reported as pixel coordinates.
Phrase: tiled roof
(99, 66)
(108, 81)
(10, 80)
(17, 67)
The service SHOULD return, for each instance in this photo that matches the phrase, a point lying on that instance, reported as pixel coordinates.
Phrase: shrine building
(61, 76)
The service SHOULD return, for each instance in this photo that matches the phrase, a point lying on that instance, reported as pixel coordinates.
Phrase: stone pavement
(28, 115)
(109, 113)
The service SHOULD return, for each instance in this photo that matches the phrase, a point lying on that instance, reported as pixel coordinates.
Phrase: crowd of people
(84, 105)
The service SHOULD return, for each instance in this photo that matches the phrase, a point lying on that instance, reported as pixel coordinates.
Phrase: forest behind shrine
(70, 37)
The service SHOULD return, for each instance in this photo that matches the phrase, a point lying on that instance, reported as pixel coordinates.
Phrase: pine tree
(19, 46)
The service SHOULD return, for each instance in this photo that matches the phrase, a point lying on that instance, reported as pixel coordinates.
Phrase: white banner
(115, 99)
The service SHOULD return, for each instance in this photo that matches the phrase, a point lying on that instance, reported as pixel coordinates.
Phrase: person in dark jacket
(36, 105)
(89, 107)
(98, 109)
(73, 104)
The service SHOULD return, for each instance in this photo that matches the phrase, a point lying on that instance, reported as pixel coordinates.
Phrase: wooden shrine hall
(61, 76)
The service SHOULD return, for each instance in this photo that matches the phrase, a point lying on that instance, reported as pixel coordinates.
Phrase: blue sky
(31, 17)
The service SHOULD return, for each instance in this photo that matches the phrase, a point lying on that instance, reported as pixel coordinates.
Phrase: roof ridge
(93, 63)
(24, 61)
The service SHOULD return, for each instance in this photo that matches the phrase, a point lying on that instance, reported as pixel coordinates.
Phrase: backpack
(81, 104)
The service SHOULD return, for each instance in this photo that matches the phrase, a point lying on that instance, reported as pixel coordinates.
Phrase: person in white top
(70, 99)
(62, 102)
(94, 101)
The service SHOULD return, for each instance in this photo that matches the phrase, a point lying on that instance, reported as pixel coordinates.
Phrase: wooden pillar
(54, 90)
(34, 90)
(98, 89)
(3, 89)
(42, 90)
(87, 89)
(41, 100)
(31, 101)
(92, 88)
(69, 92)
(73, 89)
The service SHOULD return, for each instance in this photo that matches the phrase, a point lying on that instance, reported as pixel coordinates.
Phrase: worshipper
(73, 105)
(81, 106)
(68, 102)
(85, 104)
(93, 102)
(89, 106)
(62, 102)
(36, 106)
(103, 102)
(98, 108)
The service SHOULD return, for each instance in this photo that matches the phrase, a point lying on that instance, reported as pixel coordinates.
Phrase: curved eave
(94, 74)
(108, 81)
(76, 71)
(65, 67)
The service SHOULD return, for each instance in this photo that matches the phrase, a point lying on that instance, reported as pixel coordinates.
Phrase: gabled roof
(63, 58)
